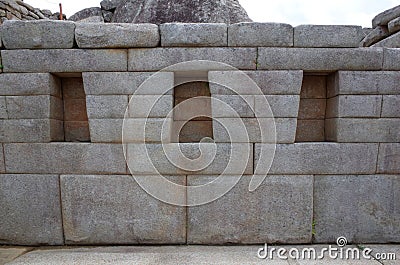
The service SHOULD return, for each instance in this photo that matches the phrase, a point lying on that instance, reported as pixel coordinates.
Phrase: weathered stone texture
(106, 106)
(29, 84)
(385, 17)
(3, 108)
(391, 106)
(374, 36)
(86, 13)
(389, 158)
(142, 106)
(31, 210)
(2, 163)
(354, 106)
(390, 42)
(310, 131)
(391, 58)
(34, 107)
(394, 25)
(282, 106)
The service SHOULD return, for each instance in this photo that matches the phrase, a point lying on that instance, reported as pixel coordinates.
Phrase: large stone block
(360, 208)
(354, 106)
(282, 106)
(310, 131)
(2, 163)
(374, 36)
(392, 41)
(38, 34)
(116, 210)
(386, 16)
(194, 34)
(116, 35)
(111, 83)
(31, 210)
(348, 130)
(68, 60)
(319, 158)
(254, 34)
(357, 82)
(391, 58)
(31, 130)
(29, 84)
(262, 216)
(34, 107)
(391, 106)
(311, 108)
(240, 106)
(148, 106)
(389, 158)
(106, 106)
(3, 108)
(201, 108)
(159, 58)
(320, 59)
(394, 25)
(327, 36)
(76, 131)
(65, 158)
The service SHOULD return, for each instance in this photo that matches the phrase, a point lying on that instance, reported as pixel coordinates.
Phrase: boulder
(195, 11)
(86, 13)
(110, 4)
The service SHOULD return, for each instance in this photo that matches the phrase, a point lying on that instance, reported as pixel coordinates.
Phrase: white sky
(294, 12)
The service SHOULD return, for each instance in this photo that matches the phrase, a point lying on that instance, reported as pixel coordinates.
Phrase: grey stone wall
(54, 192)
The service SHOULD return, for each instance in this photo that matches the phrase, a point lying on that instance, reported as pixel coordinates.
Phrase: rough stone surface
(310, 131)
(159, 58)
(100, 35)
(187, 11)
(254, 217)
(8, 254)
(374, 36)
(106, 106)
(110, 4)
(34, 107)
(391, 59)
(391, 106)
(260, 34)
(389, 158)
(31, 210)
(107, 15)
(2, 163)
(320, 158)
(243, 106)
(41, 34)
(65, 158)
(312, 108)
(86, 13)
(3, 108)
(29, 84)
(394, 25)
(390, 42)
(282, 106)
(320, 59)
(354, 106)
(385, 248)
(68, 60)
(192, 34)
(143, 106)
(359, 208)
(327, 36)
(92, 19)
(116, 210)
(386, 16)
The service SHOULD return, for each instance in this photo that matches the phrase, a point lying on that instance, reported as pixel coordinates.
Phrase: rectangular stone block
(199, 107)
(2, 163)
(75, 110)
(359, 208)
(65, 158)
(63, 61)
(30, 131)
(327, 36)
(314, 86)
(363, 130)
(106, 106)
(194, 34)
(229, 106)
(391, 106)
(254, 34)
(29, 84)
(31, 210)
(72, 88)
(312, 109)
(76, 131)
(159, 58)
(116, 35)
(358, 82)
(392, 41)
(119, 212)
(111, 83)
(262, 217)
(310, 131)
(354, 106)
(38, 34)
(320, 59)
(269, 82)
(143, 106)
(151, 159)
(389, 158)
(318, 158)
(391, 58)
(34, 107)
(3, 108)
(192, 131)
(282, 106)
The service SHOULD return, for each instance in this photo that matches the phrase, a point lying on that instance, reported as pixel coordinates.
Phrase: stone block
(389, 158)
(111, 83)
(320, 59)
(314, 86)
(391, 106)
(159, 58)
(269, 82)
(29, 84)
(363, 130)
(282, 106)
(363, 83)
(391, 58)
(34, 107)
(194, 34)
(116, 35)
(385, 17)
(151, 159)
(359, 208)
(254, 34)
(319, 158)
(31, 210)
(327, 36)
(116, 210)
(75, 110)
(65, 158)
(199, 108)
(312, 109)
(377, 34)
(310, 131)
(148, 106)
(63, 61)
(3, 108)
(2, 163)
(106, 106)
(392, 41)
(38, 34)
(240, 106)
(394, 25)
(72, 88)
(30, 131)
(354, 106)
(76, 131)
(192, 131)
(255, 217)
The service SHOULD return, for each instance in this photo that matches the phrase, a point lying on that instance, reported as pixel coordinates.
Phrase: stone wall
(63, 96)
